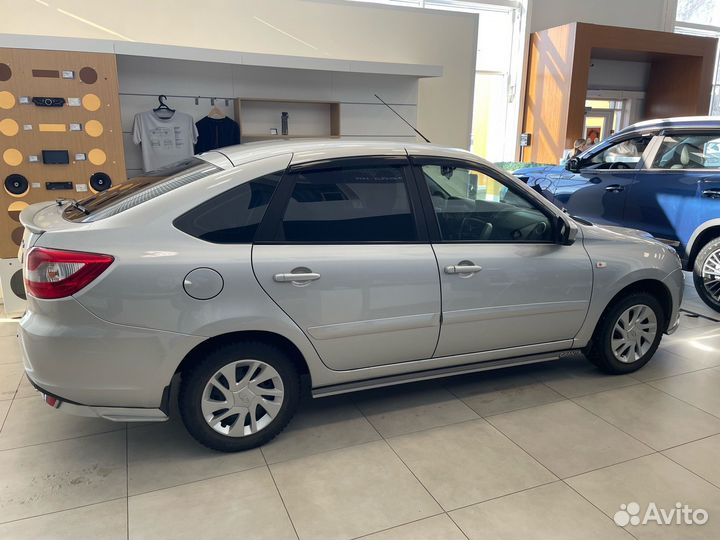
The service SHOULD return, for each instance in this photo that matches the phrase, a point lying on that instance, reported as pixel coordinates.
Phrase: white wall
(645, 14)
(317, 28)
(361, 116)
(618, 75)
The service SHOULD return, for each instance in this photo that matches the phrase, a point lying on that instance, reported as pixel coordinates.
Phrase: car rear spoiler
(27, 217)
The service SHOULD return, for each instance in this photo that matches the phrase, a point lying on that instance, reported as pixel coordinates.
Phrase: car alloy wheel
(242, 398)
(634, 333)
(711, 275)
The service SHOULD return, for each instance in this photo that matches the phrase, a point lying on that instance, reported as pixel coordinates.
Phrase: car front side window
(623, 155)
(472, 206)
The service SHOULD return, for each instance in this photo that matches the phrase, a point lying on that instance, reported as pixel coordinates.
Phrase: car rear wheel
(706, 274)
(240, 396)
(628, 334)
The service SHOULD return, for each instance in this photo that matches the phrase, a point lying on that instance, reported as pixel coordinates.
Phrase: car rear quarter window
(348, 204)
(233, 216)
(138, 190)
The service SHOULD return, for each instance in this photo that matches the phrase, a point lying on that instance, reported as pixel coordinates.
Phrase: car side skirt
(425, 375)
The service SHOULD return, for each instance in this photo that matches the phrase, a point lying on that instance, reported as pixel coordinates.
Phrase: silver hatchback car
(249, 275)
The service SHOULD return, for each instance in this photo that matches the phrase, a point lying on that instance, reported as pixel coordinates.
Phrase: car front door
(505, 282)
(678, 189)
(598, 189)
(345, 254)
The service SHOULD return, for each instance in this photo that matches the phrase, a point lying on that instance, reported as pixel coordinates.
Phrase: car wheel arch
(200, 350)
(652, 286)
(706, 233)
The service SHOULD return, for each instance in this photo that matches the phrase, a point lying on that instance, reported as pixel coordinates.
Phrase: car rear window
(138, 190)
(349, 204)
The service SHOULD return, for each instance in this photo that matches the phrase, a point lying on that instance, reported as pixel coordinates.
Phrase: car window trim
(429, 211)
(272, 220)
(669, 133)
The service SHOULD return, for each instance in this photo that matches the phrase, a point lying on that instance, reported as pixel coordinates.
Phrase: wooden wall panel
(673, 88)
(101, 130)
(680, 82)
(547, 98)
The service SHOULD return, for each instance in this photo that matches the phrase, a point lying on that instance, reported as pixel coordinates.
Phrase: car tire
(706, 271)
(617, 351)
(234, 415)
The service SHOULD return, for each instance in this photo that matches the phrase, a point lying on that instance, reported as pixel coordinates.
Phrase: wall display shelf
(261, 119)
(59, 126)
(238, 58)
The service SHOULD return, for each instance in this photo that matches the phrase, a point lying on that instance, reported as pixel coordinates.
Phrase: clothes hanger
(215, 113)
(162, 110)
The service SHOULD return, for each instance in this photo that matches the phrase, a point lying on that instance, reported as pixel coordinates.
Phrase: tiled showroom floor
(548, 451)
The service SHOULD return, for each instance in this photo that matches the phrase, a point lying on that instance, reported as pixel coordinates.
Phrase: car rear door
(678, 189)
(597, 190)
(343, 251)
(506, 284)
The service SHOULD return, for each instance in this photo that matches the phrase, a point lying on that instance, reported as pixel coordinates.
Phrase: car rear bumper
(116, 414)
(89, 363)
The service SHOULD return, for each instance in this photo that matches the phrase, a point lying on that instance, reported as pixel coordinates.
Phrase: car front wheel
(706, 274)
(239, 396)
(628, 334)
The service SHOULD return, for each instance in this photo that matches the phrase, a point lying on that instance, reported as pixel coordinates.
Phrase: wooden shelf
(311, 119)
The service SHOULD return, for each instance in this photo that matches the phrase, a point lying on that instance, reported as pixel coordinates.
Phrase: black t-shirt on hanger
(215, 133)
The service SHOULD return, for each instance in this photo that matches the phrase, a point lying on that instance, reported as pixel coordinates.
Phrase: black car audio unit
(100, 181)
(16, 184)
(56, 157)
(52, 186)
(48, 101)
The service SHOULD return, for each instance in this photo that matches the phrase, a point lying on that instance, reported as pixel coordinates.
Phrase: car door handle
(462, 269)
(615, 188)
(711, 193)
(290, 277)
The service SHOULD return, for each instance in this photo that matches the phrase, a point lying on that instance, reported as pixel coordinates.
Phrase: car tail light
(52, 273)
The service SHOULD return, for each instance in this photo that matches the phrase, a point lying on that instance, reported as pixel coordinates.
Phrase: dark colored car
(660, 176)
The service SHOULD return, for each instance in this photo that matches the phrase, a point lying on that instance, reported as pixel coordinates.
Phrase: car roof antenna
(401, 118)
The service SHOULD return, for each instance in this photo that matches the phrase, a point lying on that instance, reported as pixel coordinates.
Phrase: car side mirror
(566, 231)
(572, 164)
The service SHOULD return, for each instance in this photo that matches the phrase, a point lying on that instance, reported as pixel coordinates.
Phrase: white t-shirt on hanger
(164, 141)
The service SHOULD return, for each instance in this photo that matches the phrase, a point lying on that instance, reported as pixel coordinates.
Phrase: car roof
(680, 122)
(307, 150)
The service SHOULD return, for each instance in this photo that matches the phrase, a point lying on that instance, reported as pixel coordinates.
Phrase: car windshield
(137, 190)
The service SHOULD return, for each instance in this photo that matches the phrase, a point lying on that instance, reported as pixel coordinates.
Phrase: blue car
(660, 176)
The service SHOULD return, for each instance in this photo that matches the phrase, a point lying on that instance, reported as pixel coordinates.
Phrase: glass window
(137, 190)
(623, 155)
(701, 18)
(706, 12)
(349, 204)
(688, 151)
(231, 217)
(471, 206)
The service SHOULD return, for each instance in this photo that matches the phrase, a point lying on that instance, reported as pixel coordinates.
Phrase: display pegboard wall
(51, 148)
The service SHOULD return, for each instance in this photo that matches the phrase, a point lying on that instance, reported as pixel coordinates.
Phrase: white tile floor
(546, 451)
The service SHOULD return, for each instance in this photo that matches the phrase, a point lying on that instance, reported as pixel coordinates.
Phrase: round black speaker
(17, 285)
(100, 181)
(16, 184)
